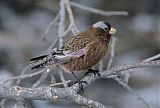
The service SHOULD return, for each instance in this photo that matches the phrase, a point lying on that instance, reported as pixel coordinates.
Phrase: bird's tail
(38, 58)
(43, 61)
(41, 65)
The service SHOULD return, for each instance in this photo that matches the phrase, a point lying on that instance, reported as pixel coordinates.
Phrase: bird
(81, 52)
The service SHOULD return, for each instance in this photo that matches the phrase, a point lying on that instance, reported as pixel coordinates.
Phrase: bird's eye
(105, 29)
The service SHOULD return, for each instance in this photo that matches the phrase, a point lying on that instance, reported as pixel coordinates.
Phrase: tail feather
(44, 56)
(42, 65)
(38, 58)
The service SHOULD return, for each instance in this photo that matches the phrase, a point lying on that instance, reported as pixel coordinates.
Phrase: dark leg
(92, 71)
(80, 83)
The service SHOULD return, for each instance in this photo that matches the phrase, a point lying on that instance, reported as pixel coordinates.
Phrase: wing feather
(67, 56)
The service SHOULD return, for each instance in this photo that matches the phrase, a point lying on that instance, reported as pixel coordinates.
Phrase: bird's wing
(69, 55)
(57, 58)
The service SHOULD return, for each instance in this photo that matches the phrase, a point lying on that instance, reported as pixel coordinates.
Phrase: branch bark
(69, 93)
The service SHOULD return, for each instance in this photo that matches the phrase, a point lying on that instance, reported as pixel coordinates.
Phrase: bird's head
(105, 26)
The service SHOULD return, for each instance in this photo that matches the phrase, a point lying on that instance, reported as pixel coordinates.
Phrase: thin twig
(134, 65)
(143, 101)
(53, 22)
(62, 78)
(67, 30)
(61, 23)
(49, 49)
(25, 76)
(60, 33)
(127, 87)
(42, 78)
(112, 52)
(60, 83)
(23, 72)
(98, 11)
(152, 58)
(100, 66)
(71, 17)
(53, 80)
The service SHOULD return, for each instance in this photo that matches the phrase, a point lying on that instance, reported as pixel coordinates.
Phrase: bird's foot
(95, 72)
(80, 84)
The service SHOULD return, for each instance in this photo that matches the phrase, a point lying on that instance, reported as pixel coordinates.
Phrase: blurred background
(23, 22)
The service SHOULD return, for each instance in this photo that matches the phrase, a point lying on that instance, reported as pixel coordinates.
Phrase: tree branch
(98, 11)
(152, 58)
(111, 51)
(69, 93)
(61, 29)
(42, 78)
(53, 22)
(113, 72)
(46, 93)
(25, 76)
(71, 17)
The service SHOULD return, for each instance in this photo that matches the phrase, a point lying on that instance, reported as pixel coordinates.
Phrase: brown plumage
(82, 51)
(96, 45)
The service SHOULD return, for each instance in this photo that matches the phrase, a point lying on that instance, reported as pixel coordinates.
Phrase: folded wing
(57, 57)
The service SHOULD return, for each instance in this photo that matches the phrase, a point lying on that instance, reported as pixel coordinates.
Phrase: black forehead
(109, 25)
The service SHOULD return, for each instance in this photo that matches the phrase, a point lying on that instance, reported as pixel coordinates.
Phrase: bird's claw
(95, 72)
(80, 84)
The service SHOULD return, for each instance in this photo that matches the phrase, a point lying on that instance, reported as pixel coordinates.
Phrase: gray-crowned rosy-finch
(80, 52)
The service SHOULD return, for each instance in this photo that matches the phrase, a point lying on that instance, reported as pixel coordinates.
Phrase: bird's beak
(112, 31)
